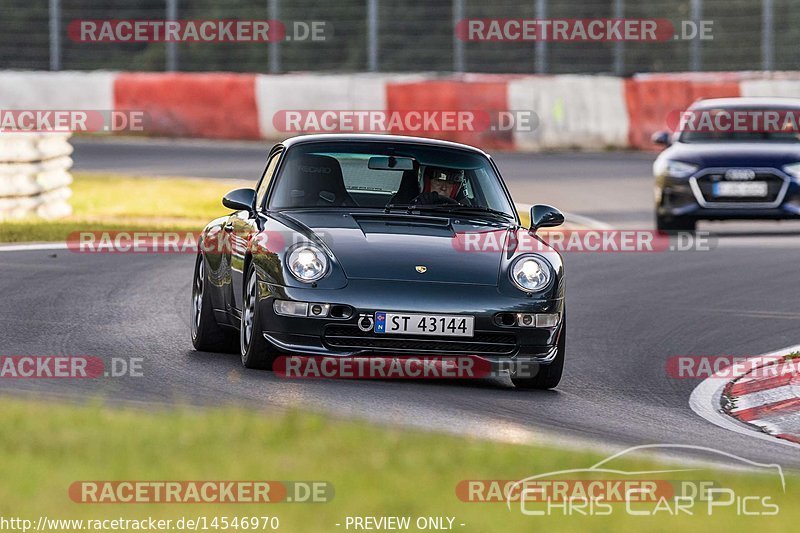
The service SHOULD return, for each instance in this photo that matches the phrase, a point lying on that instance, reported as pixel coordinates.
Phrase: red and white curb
(768, 397)
(763, 401)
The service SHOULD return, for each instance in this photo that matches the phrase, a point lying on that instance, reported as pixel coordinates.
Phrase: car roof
(748, 102)
(376, 137)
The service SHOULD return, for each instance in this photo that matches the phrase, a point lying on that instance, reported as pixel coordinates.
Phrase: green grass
(181, 199)
(375, 470)
(103, 202)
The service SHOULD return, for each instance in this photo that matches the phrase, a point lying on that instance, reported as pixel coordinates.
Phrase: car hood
(735, 154)
(392, 247)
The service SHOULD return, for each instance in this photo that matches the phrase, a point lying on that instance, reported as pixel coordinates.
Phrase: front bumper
(341, 337)
(691, 198)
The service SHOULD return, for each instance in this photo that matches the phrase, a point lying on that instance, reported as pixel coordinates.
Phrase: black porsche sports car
(733, 158)
(352, 245)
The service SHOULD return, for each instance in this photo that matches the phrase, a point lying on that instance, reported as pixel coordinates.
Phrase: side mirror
(240, 199)
(661, 137)
(545, 216)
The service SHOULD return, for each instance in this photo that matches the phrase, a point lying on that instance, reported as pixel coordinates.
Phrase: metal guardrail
(406, 35)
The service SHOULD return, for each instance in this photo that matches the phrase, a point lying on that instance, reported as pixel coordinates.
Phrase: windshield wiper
(466, 209)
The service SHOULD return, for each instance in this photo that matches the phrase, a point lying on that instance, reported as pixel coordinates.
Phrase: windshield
(740, 124)
(378, 175)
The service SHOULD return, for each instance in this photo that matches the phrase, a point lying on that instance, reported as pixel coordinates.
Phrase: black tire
(256, 352)
(207, 334)
(670, 225)
(548, 376)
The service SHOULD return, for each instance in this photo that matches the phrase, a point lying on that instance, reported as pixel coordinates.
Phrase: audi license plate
(741, 188)
(419, 324)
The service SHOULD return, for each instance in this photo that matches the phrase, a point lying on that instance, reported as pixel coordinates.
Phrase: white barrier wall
(34, 175)
(587, 112)
(297, 92)
(575, 111)
(68, 90)
(788, 88)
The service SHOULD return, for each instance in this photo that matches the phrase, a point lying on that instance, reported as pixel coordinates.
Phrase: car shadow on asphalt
(753, 229)
(232, 363)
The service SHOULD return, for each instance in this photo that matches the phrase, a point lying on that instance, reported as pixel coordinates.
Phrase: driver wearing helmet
(442, 186)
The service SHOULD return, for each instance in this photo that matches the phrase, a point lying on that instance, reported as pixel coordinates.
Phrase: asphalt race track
(628, 314)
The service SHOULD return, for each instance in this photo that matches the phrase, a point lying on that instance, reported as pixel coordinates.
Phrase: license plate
(747, 188)
(419, 324)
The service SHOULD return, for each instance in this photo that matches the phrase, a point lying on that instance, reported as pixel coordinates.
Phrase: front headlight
(307, 263)
(793, 170)
(531, 273)
(677, 169)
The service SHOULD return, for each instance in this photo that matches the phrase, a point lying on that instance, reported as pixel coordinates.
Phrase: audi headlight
(307, 263)
(793, 170)
(531, 273)
(675, 169)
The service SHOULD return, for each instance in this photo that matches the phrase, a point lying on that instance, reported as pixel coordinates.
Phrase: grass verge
(105, 202)
(375, 471)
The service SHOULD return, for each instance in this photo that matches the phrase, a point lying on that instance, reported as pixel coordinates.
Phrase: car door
(242, 226)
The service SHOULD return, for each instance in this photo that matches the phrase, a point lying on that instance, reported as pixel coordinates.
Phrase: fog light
(319, 310)
(287, 308)
(547, 320)
(313, 310)
(540, 320)
(526, 320)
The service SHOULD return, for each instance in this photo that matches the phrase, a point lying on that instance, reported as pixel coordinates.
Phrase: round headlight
(531, 273)
(307, 263)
